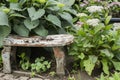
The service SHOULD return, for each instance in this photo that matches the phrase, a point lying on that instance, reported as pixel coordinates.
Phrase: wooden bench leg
(6, 59)
(60, 60)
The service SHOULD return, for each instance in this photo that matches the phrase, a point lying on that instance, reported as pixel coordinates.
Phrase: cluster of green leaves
(40, 64)
(98, 46)
(115, 76)
(35, 17)
(24, 62)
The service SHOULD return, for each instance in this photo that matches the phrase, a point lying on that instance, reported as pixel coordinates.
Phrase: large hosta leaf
(15, 6)
(34, 15)
(31, 24)
(54, 19)
(67, 17)
(3, 19)
(41, 31)
(21, 30)
(31, 12)
(4, 31)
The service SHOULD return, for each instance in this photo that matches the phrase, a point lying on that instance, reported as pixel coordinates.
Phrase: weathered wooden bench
(55, 41)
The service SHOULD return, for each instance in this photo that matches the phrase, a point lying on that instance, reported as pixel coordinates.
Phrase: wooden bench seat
(55, 41)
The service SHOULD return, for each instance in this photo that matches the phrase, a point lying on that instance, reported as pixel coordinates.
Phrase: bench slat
(37, 41)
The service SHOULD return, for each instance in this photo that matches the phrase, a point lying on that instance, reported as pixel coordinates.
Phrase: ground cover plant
(38, 66)
(97, 41)
(114, 76)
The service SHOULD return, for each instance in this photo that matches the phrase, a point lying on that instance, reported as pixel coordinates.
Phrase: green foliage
(96, 46)
(52, 73)
(71, 78)
(115, 76)
(96, 43)
(34, 17)
(40, 64)
(24, 62)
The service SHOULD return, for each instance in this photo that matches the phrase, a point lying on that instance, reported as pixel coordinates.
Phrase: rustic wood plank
(60, 60)
(6, 59)
(37, 41)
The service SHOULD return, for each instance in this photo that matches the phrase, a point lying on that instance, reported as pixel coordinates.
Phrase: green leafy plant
(71, 78)
(96, 43)
(52, 73)
(35, 17)
(114, 76)
(40, 65)
(24, 62)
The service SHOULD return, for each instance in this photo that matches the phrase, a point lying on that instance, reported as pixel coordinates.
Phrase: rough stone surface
(1, 74)
(79, 76)
(4, 76)
(24, 78)
(8, 77)
(35, 79)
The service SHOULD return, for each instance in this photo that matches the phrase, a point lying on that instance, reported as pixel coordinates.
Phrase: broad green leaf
(107, 20)
(34, 15)
(38, 14)
(116, 76)
(93, 58)
(67, 2)
(31, 12)
(4, 31)
(108, 27)
(15, 6)
(107, 53)
(67, 17)
(101, 77)
(41, 31)
(89, 64)
(54, 19)
(116, 65)
(68, 9)
(98, 28)
(17, 15)
(3, 19)
(105, 66)
(31, 24)
(21, 30)
(22, 2)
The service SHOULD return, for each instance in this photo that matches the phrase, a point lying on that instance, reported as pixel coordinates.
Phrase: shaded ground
(22, 76)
